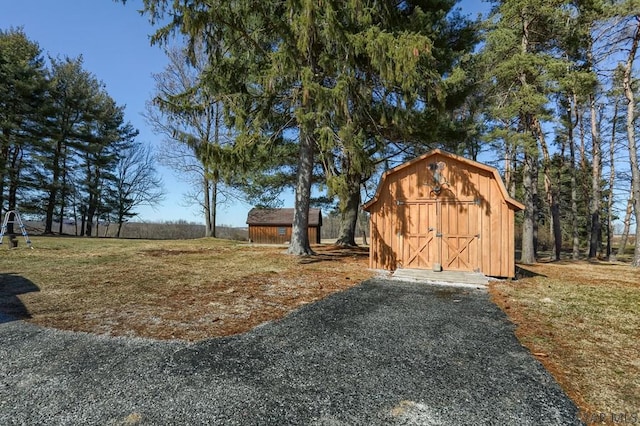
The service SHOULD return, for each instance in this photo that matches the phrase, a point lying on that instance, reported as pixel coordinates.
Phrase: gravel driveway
(384, 352)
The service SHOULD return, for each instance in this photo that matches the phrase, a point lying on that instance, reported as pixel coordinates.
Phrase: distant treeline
(179, 230)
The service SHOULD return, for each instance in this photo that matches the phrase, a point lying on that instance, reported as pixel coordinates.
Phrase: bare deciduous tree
(190, 120)
(136, 183)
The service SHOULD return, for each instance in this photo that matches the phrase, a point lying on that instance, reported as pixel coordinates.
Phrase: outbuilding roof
(280, 217)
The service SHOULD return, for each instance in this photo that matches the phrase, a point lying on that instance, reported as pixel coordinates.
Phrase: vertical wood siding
(270, 235)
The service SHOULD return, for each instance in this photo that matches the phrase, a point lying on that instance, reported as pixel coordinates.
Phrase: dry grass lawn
(582, 321)
(179, 289)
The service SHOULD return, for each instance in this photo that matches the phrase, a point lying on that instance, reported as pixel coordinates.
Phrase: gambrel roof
(516, 205)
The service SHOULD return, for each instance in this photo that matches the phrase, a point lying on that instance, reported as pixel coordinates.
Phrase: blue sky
(114, 42)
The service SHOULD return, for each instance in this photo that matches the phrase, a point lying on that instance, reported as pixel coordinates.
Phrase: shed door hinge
(399, 203)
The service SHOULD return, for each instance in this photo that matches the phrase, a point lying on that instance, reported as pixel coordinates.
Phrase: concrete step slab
(462, 278)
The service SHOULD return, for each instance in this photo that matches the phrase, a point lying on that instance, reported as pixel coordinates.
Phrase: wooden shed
(273, 226)
(441, 211)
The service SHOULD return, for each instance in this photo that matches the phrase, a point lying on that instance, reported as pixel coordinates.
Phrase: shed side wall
(269, 234)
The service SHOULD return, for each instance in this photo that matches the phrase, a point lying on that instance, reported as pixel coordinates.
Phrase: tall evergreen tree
(375, 109)
(520, 63)
(102, 141)
(74, 101)
(22, 92)
(291, 65)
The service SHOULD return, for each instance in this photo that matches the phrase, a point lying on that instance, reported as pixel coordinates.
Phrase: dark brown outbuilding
(273, 226)
(441, 211)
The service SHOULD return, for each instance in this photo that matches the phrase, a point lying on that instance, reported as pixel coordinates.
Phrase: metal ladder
(16, 219)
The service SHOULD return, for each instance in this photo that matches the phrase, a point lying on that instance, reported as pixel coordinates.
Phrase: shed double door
(440, 231)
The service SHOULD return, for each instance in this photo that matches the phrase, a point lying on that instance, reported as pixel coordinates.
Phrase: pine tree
(295, 65)
(375, 108)
(520, 63)
(73, 103)
(102, 141)
(22, 91)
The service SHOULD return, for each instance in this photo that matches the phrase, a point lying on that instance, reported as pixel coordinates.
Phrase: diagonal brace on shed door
(419, 251)
(458, 251)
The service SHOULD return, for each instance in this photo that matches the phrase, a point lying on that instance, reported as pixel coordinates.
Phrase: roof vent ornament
(437, 177)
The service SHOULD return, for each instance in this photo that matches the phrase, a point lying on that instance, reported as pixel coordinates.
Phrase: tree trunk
(508, 173)
(212, 203)
(527, 255)
(513, 161)
(4, 156)
(596, 192)
(349, 212)
(583, 149)
(583, 183)
(556, 228)
(575, 234)
(90, 214)
(93, 183)
(60, 225)
(299, 244)
(612, 178)
(625, 231)
(63, 194)
(550, 192)
(631, 138)
(536, 202)
(75, 213)
(214, 206)
(347, 232)
(14, 182)
(83, 222)
(530, 169)
(91, 211)
(362, 220)
(53, 189)
(206, 186)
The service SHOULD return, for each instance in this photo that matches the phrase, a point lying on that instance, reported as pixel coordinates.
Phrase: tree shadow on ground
(523, 272)
(335, 253)
(11, 307)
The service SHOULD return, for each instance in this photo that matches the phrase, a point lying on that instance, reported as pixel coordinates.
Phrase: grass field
(580, 319)
(179, 289)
